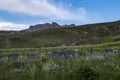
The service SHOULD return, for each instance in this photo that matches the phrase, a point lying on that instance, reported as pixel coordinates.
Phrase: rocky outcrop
(45, 26)
(71, 25)
(42, 27)
(37, 27)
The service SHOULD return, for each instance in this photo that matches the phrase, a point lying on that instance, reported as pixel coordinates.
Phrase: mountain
(42, 27)
(37, 27)
(50, 35)
(45, 26)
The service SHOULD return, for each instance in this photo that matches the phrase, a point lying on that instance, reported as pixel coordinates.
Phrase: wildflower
(32, 56)
(98, 57)
(91, 51)
(71, 53)
(116, 51)
(13, 56)
(106, 50)
(58, 54)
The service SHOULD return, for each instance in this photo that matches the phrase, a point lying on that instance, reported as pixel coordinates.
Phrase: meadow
(87, 62)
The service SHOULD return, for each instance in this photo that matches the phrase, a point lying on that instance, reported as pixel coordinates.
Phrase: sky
(20, 14)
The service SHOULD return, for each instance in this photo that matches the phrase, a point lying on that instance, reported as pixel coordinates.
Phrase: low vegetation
(88, 62)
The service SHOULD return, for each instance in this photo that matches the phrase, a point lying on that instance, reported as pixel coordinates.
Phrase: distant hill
(50, 35)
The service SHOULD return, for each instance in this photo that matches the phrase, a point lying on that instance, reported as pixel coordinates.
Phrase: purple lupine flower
(91, 51)
(65, 55)
(58, 54)
(32, 56)
(13, 55)
(107, 50)
(71, 53)
(53, 54)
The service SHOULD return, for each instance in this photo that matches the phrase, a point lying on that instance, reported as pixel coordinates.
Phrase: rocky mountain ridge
(44, 26)
(38, 27)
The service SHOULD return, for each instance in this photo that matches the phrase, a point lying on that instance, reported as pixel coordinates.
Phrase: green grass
(84, 65)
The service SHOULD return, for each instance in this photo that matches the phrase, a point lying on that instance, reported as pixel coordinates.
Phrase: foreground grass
(88, 62)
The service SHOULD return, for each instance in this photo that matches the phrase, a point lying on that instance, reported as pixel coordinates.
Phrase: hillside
(60, 36)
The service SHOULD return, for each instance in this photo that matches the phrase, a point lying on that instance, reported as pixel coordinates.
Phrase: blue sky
(19, 14)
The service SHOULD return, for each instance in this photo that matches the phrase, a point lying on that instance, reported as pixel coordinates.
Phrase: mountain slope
(79, 35)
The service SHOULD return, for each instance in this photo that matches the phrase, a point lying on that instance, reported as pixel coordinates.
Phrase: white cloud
(12, 26)
(34, 7)
(43, 8)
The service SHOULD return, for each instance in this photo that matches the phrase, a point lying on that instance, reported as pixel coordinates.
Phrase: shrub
(86, 73)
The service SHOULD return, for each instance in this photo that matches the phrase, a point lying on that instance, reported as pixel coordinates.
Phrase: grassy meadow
(87, 62)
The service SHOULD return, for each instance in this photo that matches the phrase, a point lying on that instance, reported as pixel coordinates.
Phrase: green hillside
(88, 62)
(86, 52)
(69, 36)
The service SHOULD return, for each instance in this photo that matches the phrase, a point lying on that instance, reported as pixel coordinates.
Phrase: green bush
(86, 73)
